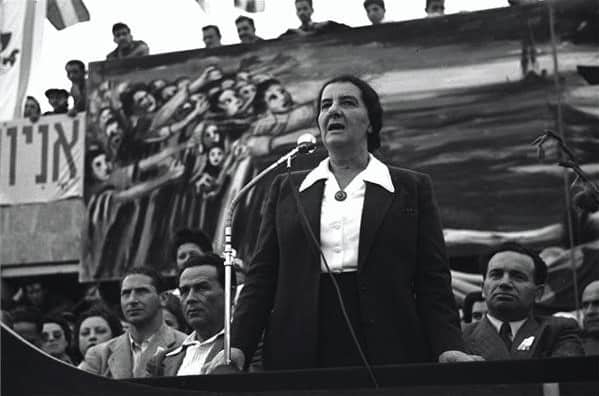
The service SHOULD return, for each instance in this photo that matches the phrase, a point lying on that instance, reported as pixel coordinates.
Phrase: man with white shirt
(202, 288)
(514, 278)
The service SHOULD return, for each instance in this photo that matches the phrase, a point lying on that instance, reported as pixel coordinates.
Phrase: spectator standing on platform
(202, 288)
(590, 309)
(27, 322)
(304, 11)
(32, 109)
(375, 10)
(126, 46)
(76, 74)
(435, 8)
(211, 36)
(246, 30)
(190, 242)
(391, 270)
(126, 356)
(513, 278)
(59, 100)
(56, 338)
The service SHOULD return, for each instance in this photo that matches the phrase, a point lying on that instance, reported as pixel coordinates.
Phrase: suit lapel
(377, 202)
(311, 199)
(120, 362)
(489, 343)
(171, 364)
(528, 329)
(161, 341)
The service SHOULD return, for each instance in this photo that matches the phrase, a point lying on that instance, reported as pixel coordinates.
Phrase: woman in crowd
(56, 338)
(96, 325)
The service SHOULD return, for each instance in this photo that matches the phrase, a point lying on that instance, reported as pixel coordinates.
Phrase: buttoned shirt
(138, 349)
(340, 221)
(196, 353)
(514, 326)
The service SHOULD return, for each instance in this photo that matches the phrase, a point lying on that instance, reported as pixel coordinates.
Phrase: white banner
(42, 161)
(21, 31)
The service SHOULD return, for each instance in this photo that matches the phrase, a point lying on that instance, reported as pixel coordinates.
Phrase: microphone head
(306, 143)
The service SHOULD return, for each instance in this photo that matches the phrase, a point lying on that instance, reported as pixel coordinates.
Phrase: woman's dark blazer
(408, 311)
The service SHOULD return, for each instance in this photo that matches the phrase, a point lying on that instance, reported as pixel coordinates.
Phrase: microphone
(306, 143)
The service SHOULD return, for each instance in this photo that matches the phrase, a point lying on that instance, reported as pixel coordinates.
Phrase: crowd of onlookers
(127, 47)
(154, 331)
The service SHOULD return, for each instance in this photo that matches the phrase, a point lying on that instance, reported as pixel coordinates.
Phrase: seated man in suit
(513, 278)
(590, 308)
(127, 355)
(202, 288)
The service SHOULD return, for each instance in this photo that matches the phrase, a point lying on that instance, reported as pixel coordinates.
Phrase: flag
(250, 5)
(64, 13)
(21, 30)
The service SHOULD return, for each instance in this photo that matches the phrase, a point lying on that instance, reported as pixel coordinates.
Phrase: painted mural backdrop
(172, 137)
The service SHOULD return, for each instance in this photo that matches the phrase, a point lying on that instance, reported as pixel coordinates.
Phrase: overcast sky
(175, 25)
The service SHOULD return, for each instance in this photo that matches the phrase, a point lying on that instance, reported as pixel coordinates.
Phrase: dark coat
(553, 337)
(406, 302)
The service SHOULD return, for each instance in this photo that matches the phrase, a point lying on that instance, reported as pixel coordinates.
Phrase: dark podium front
(26, 371)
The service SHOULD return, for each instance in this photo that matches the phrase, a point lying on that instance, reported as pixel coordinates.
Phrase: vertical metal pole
(560, 130)
(228, 266)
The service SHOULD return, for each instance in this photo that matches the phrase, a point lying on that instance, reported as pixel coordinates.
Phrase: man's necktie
(505, 332)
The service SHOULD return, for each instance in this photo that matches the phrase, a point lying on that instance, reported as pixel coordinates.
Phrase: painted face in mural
(215, 156)
(168, 92)
(143, 102)
(104, 116)
(114, 135)
(278, 99)
(229, 102)
(343, 117)
(101, 167)
(247, 92)
(210, 137)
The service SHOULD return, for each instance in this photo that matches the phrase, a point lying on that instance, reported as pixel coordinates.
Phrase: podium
(27, 371)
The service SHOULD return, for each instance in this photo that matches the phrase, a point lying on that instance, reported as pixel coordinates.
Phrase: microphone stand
(228, 251)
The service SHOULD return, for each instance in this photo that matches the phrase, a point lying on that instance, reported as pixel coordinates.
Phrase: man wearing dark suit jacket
(514, 278)
(380, 232)
(202, 285)
(126, 356)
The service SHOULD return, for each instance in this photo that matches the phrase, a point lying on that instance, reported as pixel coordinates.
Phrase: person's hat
(56, 92)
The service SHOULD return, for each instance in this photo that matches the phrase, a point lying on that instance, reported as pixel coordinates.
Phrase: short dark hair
(430, 2)
(380, 3)
(242, 18)
(469, 301)
(370, 99)
(118, 26)
(209, 259)
(157, 279)
(29, 315)
(76, 62)
(212, 27)
(307, 1)
(61, 322)
(540, 270)
(188, 235)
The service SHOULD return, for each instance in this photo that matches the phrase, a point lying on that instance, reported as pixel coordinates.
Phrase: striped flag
(64, 13)
(21, 31)
(250, 5)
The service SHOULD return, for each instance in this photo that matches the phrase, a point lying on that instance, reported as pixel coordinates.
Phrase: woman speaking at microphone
(375, 229)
